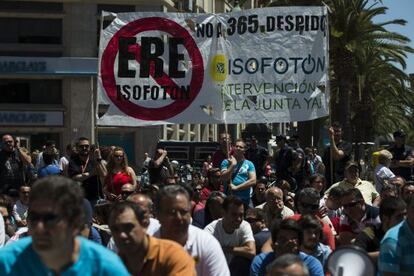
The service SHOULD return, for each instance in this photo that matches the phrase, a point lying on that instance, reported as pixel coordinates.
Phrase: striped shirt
(396, 253)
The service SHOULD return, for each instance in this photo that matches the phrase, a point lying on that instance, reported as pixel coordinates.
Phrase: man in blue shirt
(286, 240)
(54, 220)
(396, 251)
(239, 173)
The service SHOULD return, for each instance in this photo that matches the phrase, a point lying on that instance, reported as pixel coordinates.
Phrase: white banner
(254, 66)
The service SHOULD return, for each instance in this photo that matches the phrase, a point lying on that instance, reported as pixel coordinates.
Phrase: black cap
(350, 164)
(399, 133)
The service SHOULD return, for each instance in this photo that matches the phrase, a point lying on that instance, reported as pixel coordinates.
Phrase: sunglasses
(48, 219)
(351, 204)
(118, 156)
(84, 146)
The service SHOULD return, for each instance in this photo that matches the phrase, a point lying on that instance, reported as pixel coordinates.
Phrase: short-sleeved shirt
(206, 252)
(165, 257)
(90, 185)
(396, 251)
(370, 237)
(381, 173)
(261, 261)
(367, 189)
(243, 170)
(239, 237)
(402, 153)
(338, 165)
(19, 258)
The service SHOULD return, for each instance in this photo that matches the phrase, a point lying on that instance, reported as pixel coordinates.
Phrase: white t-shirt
(20, 211)
(239, 237)
(381, 173)
(206, 252)
(153, 227)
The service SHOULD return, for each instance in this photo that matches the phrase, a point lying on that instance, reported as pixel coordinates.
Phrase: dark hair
(287, 260)
(231, 200)
(286, 224)
(309, 193)
(121, 206)
(64, 194)
(336, 192)
(50, 143)
(336, 125)
(82, 139)
(48, 158)
(6, 202)
(214, 195)
(170, 191)
(310, 222)
(356, 193)
(258, 213)
(69, 147)
(390, 205)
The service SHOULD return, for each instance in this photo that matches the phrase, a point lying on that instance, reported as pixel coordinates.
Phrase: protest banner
(255, 66)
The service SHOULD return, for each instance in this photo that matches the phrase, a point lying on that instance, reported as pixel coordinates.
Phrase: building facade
(48, 69)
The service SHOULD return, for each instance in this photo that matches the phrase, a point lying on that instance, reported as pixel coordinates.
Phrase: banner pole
(226, 130)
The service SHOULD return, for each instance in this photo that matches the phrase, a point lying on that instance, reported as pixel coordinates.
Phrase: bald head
(274, 199)
(142, 200)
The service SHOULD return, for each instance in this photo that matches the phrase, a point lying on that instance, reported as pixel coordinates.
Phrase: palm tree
(365, 68)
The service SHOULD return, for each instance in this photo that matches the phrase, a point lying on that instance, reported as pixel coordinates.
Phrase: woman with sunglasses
(118, 174)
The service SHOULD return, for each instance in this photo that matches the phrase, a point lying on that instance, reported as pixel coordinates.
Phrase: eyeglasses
(310, 206)
(48, 219)
(350, 204)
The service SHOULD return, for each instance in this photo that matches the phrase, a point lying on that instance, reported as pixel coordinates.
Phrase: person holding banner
(239, 174)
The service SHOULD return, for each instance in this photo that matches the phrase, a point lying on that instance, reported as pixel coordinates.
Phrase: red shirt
(115, 181)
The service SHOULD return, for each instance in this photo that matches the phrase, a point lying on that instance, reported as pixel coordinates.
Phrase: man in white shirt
(21, 206)
(234, 234)
(174, 213)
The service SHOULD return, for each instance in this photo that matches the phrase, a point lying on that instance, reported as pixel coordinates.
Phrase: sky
(401, 9)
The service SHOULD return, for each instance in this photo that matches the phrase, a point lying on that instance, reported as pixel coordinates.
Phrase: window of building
(31, 91)
(31, 30)
(29, 6)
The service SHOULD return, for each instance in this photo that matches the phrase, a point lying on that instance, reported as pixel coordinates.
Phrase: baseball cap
(399, 133)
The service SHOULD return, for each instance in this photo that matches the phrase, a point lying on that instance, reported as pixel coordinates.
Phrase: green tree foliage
(369, 93)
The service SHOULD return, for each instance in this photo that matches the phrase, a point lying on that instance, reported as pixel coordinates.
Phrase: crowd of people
(245, 212)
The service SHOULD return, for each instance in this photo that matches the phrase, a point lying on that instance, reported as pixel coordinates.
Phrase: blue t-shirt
(261, 261)
(396, 251)
(19, 258)
(49, 170)
(243, 169)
